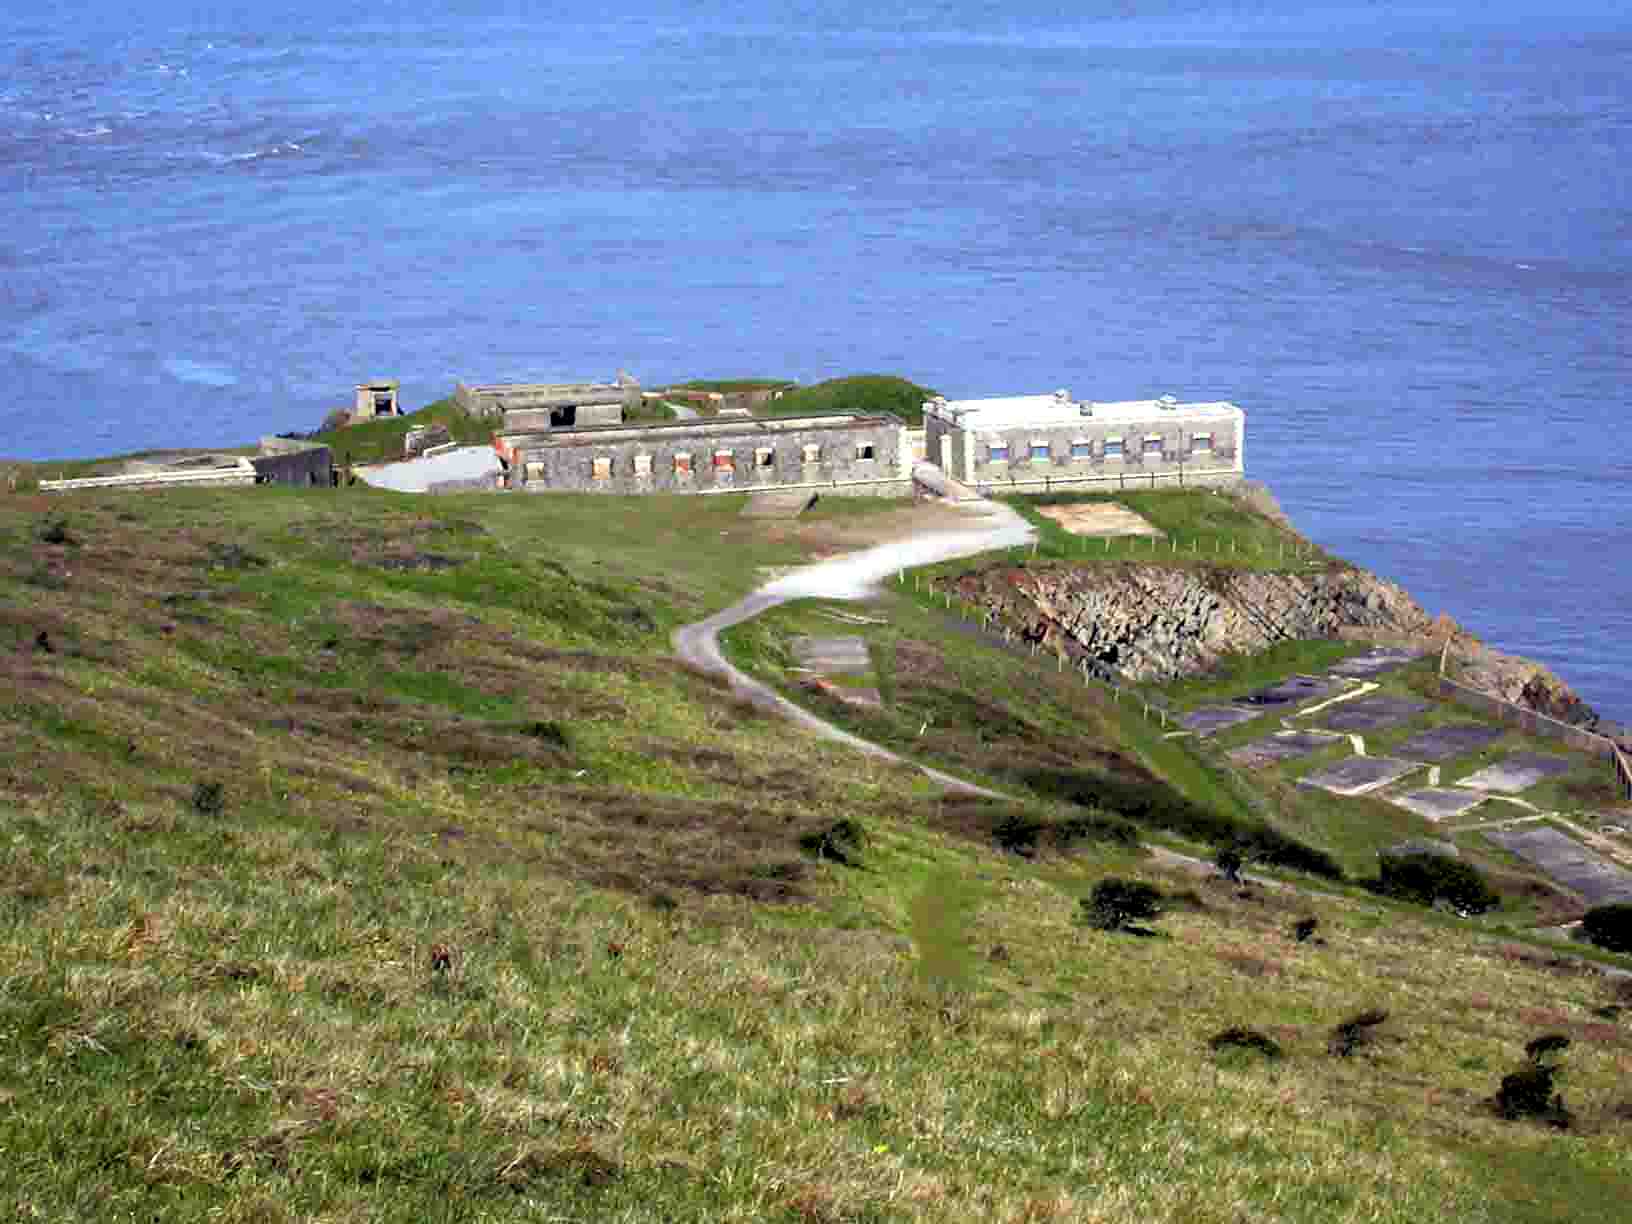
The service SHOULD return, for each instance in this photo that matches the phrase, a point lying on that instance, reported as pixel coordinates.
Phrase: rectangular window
(1201, 442)
(1039, 451)
(1081, 448)
(864, 451)
(812, 453)
(997, 452)
(1113, 448)
(601, 469)
(725, 461)
(765, 457)
(682, 464)
(1153, 444)
(643, 465)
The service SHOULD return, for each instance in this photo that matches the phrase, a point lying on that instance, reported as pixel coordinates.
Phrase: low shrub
(1528, 1093)
(1354, 1033)
(1304, 928)
(1021, 832)
(1153, 804)
(55, 531)
(1429, 879)
(1229, 864)
(1609, 927)
(208, 799)
(1116, 904)
(842, 842)
(1245, 1039)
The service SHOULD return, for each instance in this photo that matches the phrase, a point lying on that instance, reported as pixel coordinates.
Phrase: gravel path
(852, 576)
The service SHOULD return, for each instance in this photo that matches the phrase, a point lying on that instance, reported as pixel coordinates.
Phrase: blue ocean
(1398, 234)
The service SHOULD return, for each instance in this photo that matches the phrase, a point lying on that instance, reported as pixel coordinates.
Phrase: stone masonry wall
(759, 459)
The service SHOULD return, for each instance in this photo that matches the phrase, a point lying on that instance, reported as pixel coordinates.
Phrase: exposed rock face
(1151, 622)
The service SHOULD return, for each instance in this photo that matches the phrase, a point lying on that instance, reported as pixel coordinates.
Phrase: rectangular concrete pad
(1374, 662)
(1288, 691)
(1357, 775)
(1373, 713)
(1438, 802)
(843, 655)
(1518, 772)
(1206, 720)
(778, 505)
(1566, 860)
(1451, 740)
(1282, 747)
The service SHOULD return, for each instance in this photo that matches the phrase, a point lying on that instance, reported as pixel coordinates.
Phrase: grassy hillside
(368, 857)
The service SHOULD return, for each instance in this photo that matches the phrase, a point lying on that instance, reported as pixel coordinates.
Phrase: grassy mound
(861, 394)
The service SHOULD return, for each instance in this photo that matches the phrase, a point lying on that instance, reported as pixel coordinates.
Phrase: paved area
(1209, 720)
(1569, 862)
(1374, 713)
(1518, 772)
(1288, 691)
(835, 655)
(1282, 746)
(785, 505)
(1451, 740)
(1374, 662)
(1358, 775)
(1438, 803)
(418, 475)
(1100, 519)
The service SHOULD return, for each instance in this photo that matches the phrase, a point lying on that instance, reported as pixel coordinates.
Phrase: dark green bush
(1609, 926)
(1354, 1032)
(1153, 804)
(1427, 879)
(1116, 904)
(1229, 864)
(1245, 1039)
(1528, 1093)
(1021, 832)
(842, 842)
(55, 531)
(208, 799)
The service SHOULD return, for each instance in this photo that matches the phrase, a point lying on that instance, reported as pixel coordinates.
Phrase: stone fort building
(822, 454)
(1053, 440)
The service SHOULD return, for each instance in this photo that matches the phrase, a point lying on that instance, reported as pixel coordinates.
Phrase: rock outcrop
(1137, 622)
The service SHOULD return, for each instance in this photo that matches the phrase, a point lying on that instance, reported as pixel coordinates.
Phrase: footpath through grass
(368, 858)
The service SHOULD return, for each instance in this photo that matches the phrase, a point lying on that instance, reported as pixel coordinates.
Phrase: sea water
(1399, 235)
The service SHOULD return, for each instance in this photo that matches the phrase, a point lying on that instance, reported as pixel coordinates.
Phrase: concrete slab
(1283, 746)
(781, 505)
(1451, 740)
(1209, 720)
(1566, 860)
(1374, 662)
(834, 655)
(1518, 772)
(1373, 713)
(1100, 519)
(418, 475)
(1357, 775)
(1292, 689)
(1438, 803)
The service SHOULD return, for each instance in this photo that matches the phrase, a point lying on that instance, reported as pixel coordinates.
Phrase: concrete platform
(1373, 713)
(1438, 803)
(1566, 860)
(1209, 720)
(1374, 662)
(1287, 692)
(1100, 519)
(1451, 740)
(1518, 772)
(784, 505)
(1358, 775)
(467, 463)
(833, 655)
(1283, 746)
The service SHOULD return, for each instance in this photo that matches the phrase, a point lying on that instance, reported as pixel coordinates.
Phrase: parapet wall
(495, 399)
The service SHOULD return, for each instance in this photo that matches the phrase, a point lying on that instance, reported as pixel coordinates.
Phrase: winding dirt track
(853, 576)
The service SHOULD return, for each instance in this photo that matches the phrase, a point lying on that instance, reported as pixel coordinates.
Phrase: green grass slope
(861, 394)
(369, 858)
